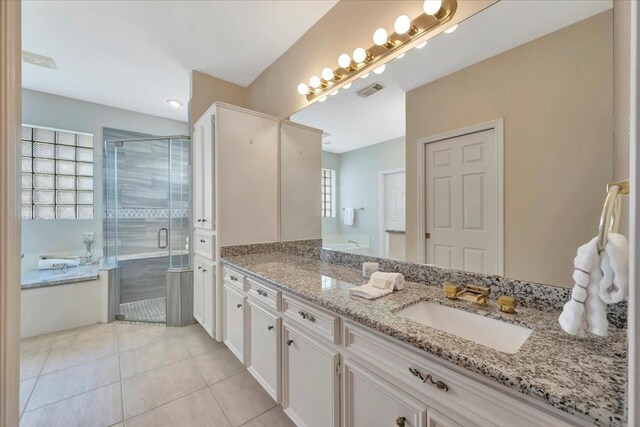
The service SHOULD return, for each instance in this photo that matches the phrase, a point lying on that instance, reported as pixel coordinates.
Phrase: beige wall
(205, 90)
(555, 95)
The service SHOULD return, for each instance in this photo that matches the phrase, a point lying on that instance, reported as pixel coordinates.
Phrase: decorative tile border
(144, 213)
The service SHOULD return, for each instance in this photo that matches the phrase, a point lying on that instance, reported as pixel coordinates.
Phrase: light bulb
(314, 82)
(324, 98)
(400, 56)
(421, 45)
(365, 76)
(359, 55)
(380, 69)
(344, 60)
(174, 103)
(327, 74)
(451, 30)
(334, 93)
(431, 7)
(303, 89)
(402, 24)
(380, 37)
(347, 86)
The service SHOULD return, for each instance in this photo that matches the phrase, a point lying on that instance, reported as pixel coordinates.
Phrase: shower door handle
(166, 238)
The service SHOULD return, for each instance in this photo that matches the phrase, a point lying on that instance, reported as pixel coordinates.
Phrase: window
(328, 182)
(57, 174)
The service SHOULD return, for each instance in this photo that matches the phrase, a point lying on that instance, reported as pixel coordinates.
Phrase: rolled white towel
(57, 263)
(614, 286)
(396, 278)
(369, 292)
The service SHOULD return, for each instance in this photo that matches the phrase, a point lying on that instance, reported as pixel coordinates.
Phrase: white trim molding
(10, 124)
(498, 126)
(382, 238)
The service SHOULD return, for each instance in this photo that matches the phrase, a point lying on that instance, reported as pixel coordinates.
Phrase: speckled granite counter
(581, 376)
(40, 278)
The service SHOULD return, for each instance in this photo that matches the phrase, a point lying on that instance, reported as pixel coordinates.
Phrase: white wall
(332, 161)
(64, 237)
(358, 180)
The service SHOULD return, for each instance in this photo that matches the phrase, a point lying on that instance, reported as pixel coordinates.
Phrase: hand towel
(380, 282)
(396, 278)
(614, 286)
(349, 216)
(369, 292)
(57, 263)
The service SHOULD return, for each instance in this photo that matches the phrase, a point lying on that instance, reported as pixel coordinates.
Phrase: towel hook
(610, 217)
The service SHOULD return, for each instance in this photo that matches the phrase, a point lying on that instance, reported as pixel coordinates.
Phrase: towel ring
(610, 217)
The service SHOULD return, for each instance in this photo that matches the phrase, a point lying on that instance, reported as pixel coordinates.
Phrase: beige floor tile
(199, 342)
(39, 344)
(62, 384)
(196, 328)
(138, 338)
(82, 335)
(273, 418)
(242, 398)
(84, 352)
(152, 389)
(218, 365)
(152, 356)
(196, 409)
(31, 364)
(126, 328)
(26, 387)
(100, 407)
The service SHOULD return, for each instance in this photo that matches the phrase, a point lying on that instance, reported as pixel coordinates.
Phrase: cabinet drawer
(235, 279)
(265, 294)
(324, 324)
(204, 245)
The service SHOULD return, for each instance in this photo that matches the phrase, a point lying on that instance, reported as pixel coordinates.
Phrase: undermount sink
(501, 336)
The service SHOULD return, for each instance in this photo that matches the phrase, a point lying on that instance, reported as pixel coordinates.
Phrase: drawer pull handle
(204, 220)
(289, 342)
(234, 278)
(199, 220)
(400, 421)
(238, 305)
(306, 316)
(204, 270)
(269, 328)
(203, 241)
(438, 384)
(199, 268)
(261, 292)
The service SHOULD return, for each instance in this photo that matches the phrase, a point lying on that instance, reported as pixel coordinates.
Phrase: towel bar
(610, 217)
(358, 209)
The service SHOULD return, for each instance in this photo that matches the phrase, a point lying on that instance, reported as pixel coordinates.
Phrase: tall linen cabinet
(244, 175)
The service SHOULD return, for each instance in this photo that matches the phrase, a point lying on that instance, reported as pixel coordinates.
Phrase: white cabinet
(311, 395)
(370, 401)
(203, 292)
(234, 306)
(436, 419)
(203, 174)
(264, 349)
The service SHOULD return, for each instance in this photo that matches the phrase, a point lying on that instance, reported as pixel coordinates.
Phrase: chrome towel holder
(610, 217)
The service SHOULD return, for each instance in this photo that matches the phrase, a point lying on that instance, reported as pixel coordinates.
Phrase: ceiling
(137, 54)
(355, 122)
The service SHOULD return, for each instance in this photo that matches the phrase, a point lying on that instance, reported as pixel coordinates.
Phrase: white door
(263, 360)
(462, 203)
(394, 201)
(198, 291)
(311, 391)
(208, 285)
(234, 322)
(198, 192)
(208, 168)
(436, 419)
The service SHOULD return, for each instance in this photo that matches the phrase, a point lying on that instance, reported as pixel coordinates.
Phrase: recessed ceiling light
(174, 103)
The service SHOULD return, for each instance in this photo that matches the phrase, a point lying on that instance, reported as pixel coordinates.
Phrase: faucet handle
(507, 303)
(451, 290)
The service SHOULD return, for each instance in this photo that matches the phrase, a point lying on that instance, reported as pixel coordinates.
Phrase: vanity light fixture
(408, 34)
(334, 93)
(174, 103)
(401, 56)
(451, 30)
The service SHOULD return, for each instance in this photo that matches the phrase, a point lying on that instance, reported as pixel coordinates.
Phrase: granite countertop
(40, 278)
(582, 376)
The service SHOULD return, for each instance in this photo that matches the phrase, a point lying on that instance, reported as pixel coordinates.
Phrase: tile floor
(124, 374)
(146, 310)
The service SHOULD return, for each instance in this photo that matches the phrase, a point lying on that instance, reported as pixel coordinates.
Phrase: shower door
(146, 220)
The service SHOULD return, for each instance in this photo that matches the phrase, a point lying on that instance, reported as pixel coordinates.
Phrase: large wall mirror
(479, 151)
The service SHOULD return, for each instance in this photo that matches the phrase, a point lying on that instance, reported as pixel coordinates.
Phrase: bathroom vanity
(333, 359)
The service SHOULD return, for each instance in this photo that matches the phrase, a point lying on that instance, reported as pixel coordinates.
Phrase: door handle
(166, 238)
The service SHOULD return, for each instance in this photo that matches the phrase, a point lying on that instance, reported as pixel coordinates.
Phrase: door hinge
(339, 368)
(427, 235)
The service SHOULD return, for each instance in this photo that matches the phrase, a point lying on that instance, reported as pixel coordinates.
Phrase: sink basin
(501, 336)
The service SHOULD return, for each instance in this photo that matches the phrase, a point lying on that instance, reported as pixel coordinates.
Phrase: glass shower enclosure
(146, 220)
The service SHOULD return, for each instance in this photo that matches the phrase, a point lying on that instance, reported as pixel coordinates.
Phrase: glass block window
(57, 174)
(328, 186)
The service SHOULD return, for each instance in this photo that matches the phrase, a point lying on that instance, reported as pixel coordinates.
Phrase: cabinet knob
(289, 342)
(234, 278)
(199, 220)
(204, 270)
(202, 241)
(238, 305)
(400, 421)
(269, 328)
(199, 268)
(204, 220)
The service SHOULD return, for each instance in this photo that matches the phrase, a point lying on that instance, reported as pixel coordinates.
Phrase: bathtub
(355, 244)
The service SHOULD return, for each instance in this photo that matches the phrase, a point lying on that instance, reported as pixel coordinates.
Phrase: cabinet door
(208, 167)
(263, 360)
(371, 401)
(197, 191)
(310, 381)
(234, 321)
(437, 419)
(198, 291)
(208, 286)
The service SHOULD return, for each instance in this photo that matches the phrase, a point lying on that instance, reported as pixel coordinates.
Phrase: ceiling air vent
(370, 90)
(39, 60)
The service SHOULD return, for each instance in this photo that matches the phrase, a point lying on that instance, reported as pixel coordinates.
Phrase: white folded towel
(57, 263)
(349, 216)
(614, 286)
(370, 292)
(396, 278)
